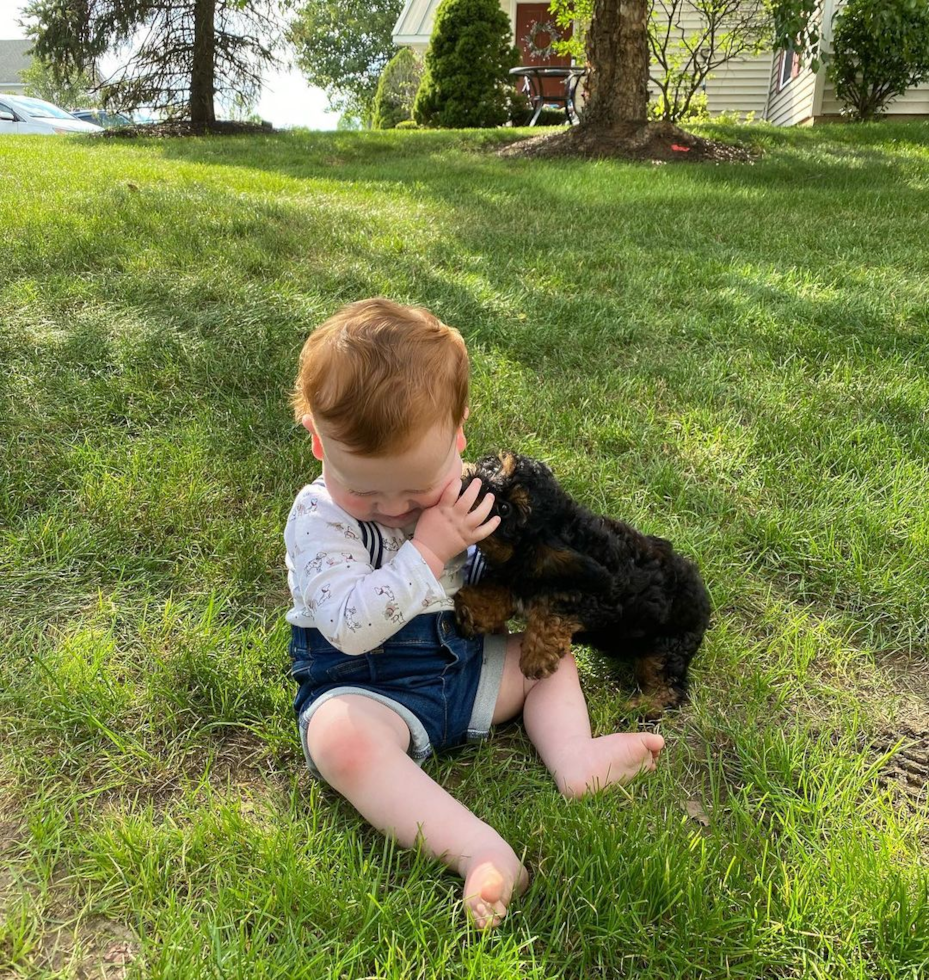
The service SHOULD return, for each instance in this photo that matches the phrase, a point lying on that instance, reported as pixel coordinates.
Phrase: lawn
(735, 357)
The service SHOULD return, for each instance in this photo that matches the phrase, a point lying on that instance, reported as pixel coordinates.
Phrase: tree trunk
(203, 71)
(618, 57)
(615, 120)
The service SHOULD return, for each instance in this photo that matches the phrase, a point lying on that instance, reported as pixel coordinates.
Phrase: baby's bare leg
(359, 746)
(557, 722)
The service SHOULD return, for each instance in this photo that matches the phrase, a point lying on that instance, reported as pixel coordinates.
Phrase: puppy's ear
(556, 562)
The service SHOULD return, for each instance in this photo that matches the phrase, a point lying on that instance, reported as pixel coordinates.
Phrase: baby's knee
(342, 746)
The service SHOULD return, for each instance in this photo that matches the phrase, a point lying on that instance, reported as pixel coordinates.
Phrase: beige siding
(741, 85)
(914, 101)
(795, 101)
(414, 25)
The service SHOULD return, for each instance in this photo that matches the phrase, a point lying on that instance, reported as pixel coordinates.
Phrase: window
(790, 67)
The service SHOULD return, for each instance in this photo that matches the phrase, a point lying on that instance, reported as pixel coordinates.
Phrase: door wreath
(531, 39)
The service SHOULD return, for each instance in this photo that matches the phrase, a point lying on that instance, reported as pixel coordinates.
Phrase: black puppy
(576, 575)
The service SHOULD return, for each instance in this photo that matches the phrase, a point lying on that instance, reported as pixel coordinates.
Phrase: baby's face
(392, 490)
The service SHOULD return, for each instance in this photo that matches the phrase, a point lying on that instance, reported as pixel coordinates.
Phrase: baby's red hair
(376, 375)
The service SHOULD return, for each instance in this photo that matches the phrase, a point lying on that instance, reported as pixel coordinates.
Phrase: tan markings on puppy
(519, 498)
(556, 560)
(507, 464)
(656, 695)
(546, 640)
(496, 552)
(483, 610)
(467, 469)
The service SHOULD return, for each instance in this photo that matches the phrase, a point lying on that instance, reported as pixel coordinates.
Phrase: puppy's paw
(464, 615)
(538, 663)
(646, 707)
(653, 705)
(482, 609)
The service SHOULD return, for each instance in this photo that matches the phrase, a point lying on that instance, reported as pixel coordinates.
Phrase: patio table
(533, 85)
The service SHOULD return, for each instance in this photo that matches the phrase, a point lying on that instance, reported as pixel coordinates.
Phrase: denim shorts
(443, 685)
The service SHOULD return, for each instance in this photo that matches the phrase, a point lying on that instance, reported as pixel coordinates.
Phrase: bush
(697, 110)
(466, 83)
(520, 110)
(880, 49)
(396, 90)
(691, 39)
(552, 117)
(407, 124)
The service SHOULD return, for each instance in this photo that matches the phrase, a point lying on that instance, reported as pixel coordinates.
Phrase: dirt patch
(904, 674)
(97, 948)
(12, 833)
(177, 129)
(65, 939)
(235, 763)
(657, 143)
(906, 773)
(92, 947)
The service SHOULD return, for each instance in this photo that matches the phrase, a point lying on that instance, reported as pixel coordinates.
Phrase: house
(13, 60)
(774, 86)
(800, 95)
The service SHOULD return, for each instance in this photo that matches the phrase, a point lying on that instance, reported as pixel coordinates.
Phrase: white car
(20, 114)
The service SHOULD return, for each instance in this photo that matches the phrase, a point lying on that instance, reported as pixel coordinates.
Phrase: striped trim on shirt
(475, 568)
(373, 540)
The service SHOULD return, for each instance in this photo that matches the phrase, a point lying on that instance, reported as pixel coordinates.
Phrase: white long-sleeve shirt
(336, 587)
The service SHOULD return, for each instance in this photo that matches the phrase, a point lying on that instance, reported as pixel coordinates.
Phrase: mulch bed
(657, 143)
(181, 128)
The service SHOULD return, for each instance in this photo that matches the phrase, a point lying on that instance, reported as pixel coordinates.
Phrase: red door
(535, 31)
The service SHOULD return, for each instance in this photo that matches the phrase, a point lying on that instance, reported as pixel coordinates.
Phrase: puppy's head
(527, 499)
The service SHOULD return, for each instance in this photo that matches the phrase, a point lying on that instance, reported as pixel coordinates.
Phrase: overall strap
(372, 539)
(476, 567)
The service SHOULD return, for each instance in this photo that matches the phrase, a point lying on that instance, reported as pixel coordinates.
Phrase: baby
(377, 547)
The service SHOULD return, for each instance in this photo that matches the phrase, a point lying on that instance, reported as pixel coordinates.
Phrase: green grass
(735, 357)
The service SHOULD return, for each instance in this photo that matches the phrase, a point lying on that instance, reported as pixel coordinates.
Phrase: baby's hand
(451, 525)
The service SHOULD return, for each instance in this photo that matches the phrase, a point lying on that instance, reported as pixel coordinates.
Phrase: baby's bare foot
(491, 877)
(590, 765)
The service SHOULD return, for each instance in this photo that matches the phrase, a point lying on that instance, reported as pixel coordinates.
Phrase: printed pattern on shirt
(359, 582)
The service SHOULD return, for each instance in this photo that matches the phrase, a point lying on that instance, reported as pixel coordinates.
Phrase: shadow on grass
(584, 274)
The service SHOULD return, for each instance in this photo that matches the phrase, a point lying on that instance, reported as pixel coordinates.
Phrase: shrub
(396, 90)
(465, 84)
(880, 49)
(520, 110)
(552, 117)
(690, 39)
(407, 124)
(697, 109)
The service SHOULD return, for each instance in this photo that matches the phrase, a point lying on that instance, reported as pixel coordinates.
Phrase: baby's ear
(307, 423)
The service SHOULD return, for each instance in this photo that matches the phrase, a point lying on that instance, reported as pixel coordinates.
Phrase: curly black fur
(629, 595)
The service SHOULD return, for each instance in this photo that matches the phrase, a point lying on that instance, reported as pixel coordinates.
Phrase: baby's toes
(485, 916)
(653, 742)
